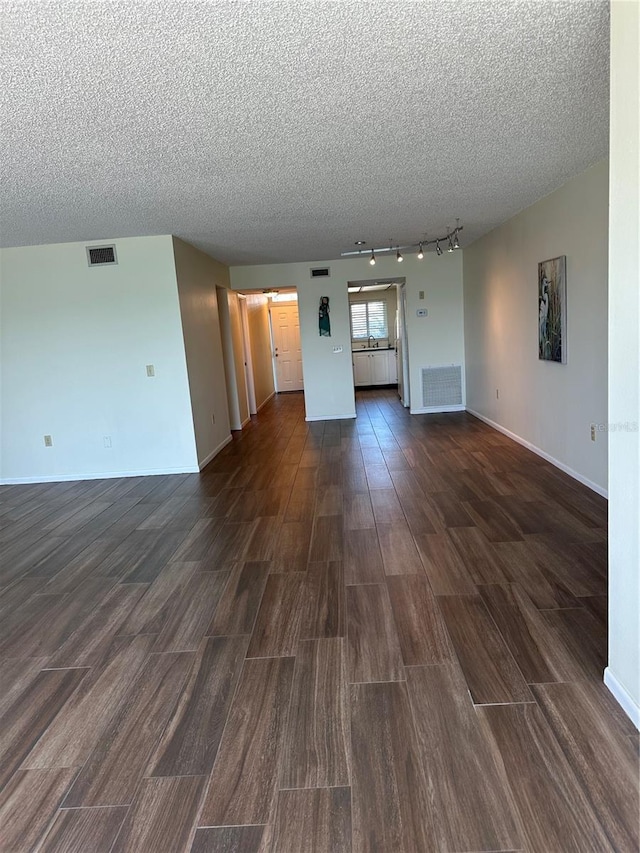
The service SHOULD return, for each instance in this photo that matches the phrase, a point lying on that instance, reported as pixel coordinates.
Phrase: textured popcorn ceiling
(282, 131)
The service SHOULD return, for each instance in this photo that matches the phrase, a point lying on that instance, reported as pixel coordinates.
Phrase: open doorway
(378, 334)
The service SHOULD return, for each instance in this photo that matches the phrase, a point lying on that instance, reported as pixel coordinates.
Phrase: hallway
(384, 635)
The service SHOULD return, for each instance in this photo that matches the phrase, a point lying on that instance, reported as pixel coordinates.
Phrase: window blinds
(369, 318)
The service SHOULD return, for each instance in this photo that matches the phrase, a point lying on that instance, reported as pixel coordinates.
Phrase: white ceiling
(286, 130)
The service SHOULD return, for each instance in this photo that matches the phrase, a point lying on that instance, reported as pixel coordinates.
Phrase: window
(369, 319)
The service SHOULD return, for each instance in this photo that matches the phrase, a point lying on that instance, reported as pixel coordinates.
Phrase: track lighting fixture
(451, 238)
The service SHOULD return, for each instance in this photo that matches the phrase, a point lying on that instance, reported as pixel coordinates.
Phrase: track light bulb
(372, 259)
(450, 249)
(456, 242)
(399, 257)
(420, 253)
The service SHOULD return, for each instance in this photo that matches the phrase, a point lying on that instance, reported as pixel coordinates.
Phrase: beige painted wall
(328, 377)
(623, 673)
(260, 340)
(197, 275)
(549, 405)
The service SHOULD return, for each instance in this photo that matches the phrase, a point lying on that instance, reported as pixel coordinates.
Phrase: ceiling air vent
(320, 272)
(100, 256)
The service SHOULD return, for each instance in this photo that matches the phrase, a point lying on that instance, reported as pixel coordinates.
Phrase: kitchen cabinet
(374, 368)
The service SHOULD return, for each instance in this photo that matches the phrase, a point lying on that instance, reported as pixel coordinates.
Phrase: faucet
(370, 338)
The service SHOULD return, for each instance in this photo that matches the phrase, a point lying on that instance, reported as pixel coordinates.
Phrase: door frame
(248, 362)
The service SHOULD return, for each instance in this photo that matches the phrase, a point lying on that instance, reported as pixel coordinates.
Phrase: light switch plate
(337, 349)
(151, 371)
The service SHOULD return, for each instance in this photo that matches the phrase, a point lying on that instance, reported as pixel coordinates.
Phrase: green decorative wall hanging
(324, 323)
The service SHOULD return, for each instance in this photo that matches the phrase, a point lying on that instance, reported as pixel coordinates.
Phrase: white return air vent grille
(442, 386)
(101, 256)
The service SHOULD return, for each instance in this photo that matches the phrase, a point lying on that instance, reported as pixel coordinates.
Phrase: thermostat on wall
(421, 312)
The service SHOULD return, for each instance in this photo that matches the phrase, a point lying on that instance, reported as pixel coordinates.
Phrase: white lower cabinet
(374, 368)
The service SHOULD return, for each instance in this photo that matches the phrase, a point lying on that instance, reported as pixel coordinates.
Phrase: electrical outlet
(593, 432)
(151, 371)
(48, 441)
(107, 441)
(421, 294)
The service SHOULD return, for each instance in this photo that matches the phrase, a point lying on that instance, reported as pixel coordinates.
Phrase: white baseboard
(628, 705)
(330, 417)
(532, 447)
(102, 475)
(215, 452)
(435, 410)
(264, 402)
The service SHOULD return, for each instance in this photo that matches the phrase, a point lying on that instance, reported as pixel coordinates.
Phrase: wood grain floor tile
(554, 812)
(386, 507)
(116, 764)
(354, 479)
(473, 810)
(323, 601)
(30, 715)
(358, 512)
(393, 813)
(57, 622)
(238, 605)
(75, 731)
(228, 839)
(193, 612)
(316, 748)
(80, 830)
(399, 553)
(243, 780)
(489, 668)
(363, 558)
(27, 804)
(85, 647)
(326, 539)
(450, 510)
(291, 548)
(373, 646)
(281, 616)
(584, 636)
(262, 539)
(301, 505)
(15, 677)
(313, 821)
(189, 743)
(443, 565)
(378, 477)
(149, 556)
(542, 586)
(601, 758)
(423, 635)
(162, 816)
(329, 501)
(480, 557)
(539, 655)
(229, 545)
(150, 614)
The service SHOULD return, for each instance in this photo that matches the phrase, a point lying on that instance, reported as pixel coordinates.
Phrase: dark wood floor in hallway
(385, 635)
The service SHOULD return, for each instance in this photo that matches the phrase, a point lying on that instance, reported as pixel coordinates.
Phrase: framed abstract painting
(552, 310)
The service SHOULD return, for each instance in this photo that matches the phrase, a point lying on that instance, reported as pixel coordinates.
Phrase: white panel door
(286, 347)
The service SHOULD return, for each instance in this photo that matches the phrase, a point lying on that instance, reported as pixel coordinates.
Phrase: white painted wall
(233, 357)
(260, 344)
(74, 345)
(197, 276)
(328, 378)
(550, 406)
(623, 672)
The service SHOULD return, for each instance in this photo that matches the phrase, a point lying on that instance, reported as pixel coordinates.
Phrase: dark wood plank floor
(383, 635)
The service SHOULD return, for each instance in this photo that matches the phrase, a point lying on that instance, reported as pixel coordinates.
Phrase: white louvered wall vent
(442, 386)
(101, 256)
